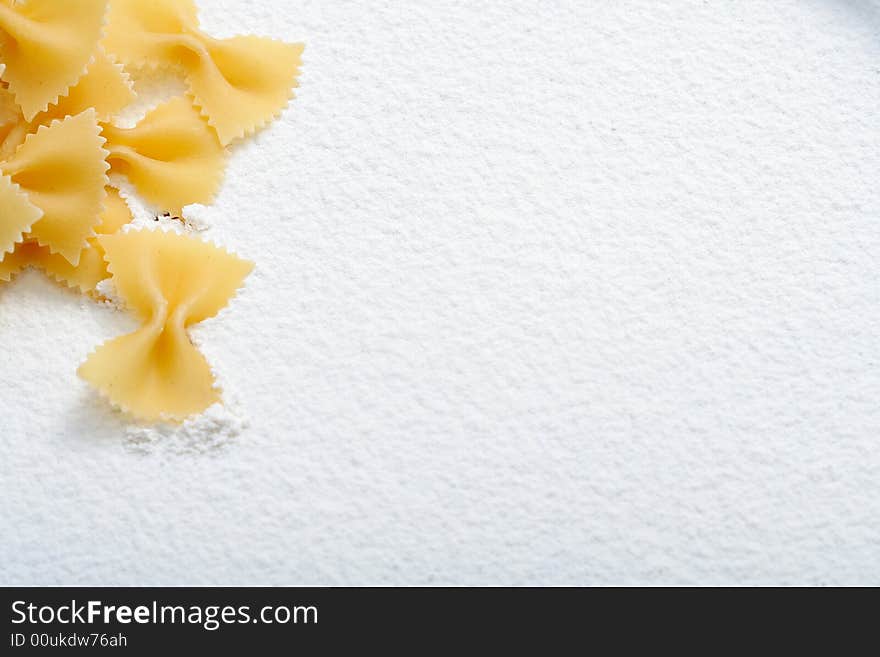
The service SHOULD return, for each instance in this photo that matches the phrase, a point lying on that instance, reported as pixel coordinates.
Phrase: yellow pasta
(240, 83)
(62, 170)
(172, 157)
(17, 214)
(12, 135)
(92, 268)
(105, 87)
(62, 88)
(46, 46)
(9, 111)
(13, 263)
(12, 124)
(170, 282)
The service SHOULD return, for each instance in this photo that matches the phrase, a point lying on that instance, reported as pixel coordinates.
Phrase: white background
(546, 292)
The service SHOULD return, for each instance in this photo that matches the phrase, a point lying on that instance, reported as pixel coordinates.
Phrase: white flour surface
(545, 292)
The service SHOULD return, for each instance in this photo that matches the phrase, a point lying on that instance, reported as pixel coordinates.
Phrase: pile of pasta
(64, 80)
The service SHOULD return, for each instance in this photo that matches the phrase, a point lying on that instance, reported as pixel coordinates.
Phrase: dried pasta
(12, 124)
(92, 268)
(17, 214)
(9, 112)
(105, 88)
(172, 157)
(46, 46)
(63, 88)
(240, 83)
(63, 171)
(170, 282)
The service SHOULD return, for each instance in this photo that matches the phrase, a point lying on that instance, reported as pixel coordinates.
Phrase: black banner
(132, 620)
(415, 620)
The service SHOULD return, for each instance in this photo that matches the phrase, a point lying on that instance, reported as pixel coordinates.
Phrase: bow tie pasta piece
(172, 156)
(240, 84)
(46, 46)
(17, 215)
(250, 82)
(92, 268)
(171, 282)
(63, 171)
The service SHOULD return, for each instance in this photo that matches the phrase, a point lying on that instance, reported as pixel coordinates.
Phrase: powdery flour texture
(554, 292)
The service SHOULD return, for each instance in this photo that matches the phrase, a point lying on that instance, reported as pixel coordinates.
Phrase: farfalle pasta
(13, 127)
(9, 111)
(240, 83)
(105, 88)
(92, 268)
(172, 157)
(62, 169)
(170, 282)
(46, 46)
(63, 89)
(17, 214)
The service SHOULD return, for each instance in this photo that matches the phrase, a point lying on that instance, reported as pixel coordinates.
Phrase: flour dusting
(210, 431)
